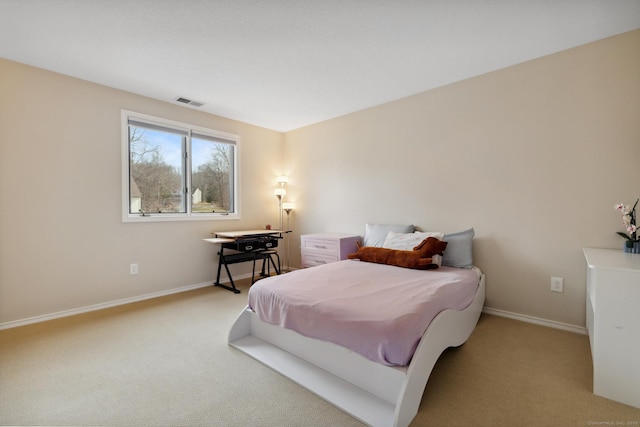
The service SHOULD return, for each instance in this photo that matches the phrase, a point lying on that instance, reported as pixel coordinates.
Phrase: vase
(628, 246)
(636, 247)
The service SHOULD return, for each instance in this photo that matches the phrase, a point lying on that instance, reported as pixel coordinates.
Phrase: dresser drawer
(324, 248)
(320, 245)
(312, 259)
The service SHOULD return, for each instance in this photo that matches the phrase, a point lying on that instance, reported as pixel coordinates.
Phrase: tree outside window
(179, 171)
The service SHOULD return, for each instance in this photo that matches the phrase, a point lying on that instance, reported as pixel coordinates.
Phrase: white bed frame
(376, 394)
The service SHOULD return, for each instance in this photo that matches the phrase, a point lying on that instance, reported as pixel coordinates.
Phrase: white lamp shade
(288, 205)
(279, 192)
(282, 179)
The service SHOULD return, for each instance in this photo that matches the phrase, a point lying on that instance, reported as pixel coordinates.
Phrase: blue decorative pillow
(459, 251)
(375, 234)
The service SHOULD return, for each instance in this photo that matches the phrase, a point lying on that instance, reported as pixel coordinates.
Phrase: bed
(378, 381)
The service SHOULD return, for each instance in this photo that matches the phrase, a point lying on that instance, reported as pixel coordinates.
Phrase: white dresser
(613, 323)
(323, 248)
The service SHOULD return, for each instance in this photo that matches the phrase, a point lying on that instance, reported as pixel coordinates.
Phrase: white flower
(629, 221)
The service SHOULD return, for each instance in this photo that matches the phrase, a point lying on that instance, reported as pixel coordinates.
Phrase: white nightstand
(323, 248)
(613, 323)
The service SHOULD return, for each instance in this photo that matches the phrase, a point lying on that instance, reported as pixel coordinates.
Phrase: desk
(246, 245)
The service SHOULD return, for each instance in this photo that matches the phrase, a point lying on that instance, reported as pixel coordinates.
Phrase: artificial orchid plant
(629, 221)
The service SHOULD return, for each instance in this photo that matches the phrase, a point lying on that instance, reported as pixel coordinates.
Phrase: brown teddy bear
(421, 257)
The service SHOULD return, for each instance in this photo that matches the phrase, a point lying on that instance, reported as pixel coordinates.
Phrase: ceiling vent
(189, 102)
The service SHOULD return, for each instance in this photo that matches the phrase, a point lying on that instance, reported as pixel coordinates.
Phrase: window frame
(127, 216)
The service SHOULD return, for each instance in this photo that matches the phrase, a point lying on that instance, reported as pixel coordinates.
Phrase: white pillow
(408, 241)
(375, 234)
(437, 260)
(459, 252)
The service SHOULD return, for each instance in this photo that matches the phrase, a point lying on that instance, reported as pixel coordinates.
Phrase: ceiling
(285, 64)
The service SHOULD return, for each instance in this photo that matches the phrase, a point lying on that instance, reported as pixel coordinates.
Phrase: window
(175, 171)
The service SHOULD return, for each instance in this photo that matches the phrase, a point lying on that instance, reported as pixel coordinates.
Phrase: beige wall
(533, 157)
(62, 243)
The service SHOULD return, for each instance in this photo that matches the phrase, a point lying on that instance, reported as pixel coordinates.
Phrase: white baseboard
(536, 320)
(95, 307)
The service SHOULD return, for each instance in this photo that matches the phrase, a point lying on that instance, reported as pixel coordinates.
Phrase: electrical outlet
(133, 269)
(557, 284)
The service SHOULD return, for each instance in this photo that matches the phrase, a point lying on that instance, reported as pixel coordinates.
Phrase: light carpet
(165, 362)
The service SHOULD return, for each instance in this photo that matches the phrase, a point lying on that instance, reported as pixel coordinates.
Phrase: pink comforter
(379, 311)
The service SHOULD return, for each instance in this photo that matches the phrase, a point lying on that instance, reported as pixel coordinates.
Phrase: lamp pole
(280, 193)
(288, 207)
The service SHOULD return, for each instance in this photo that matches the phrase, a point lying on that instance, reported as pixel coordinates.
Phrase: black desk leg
(231, 288)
